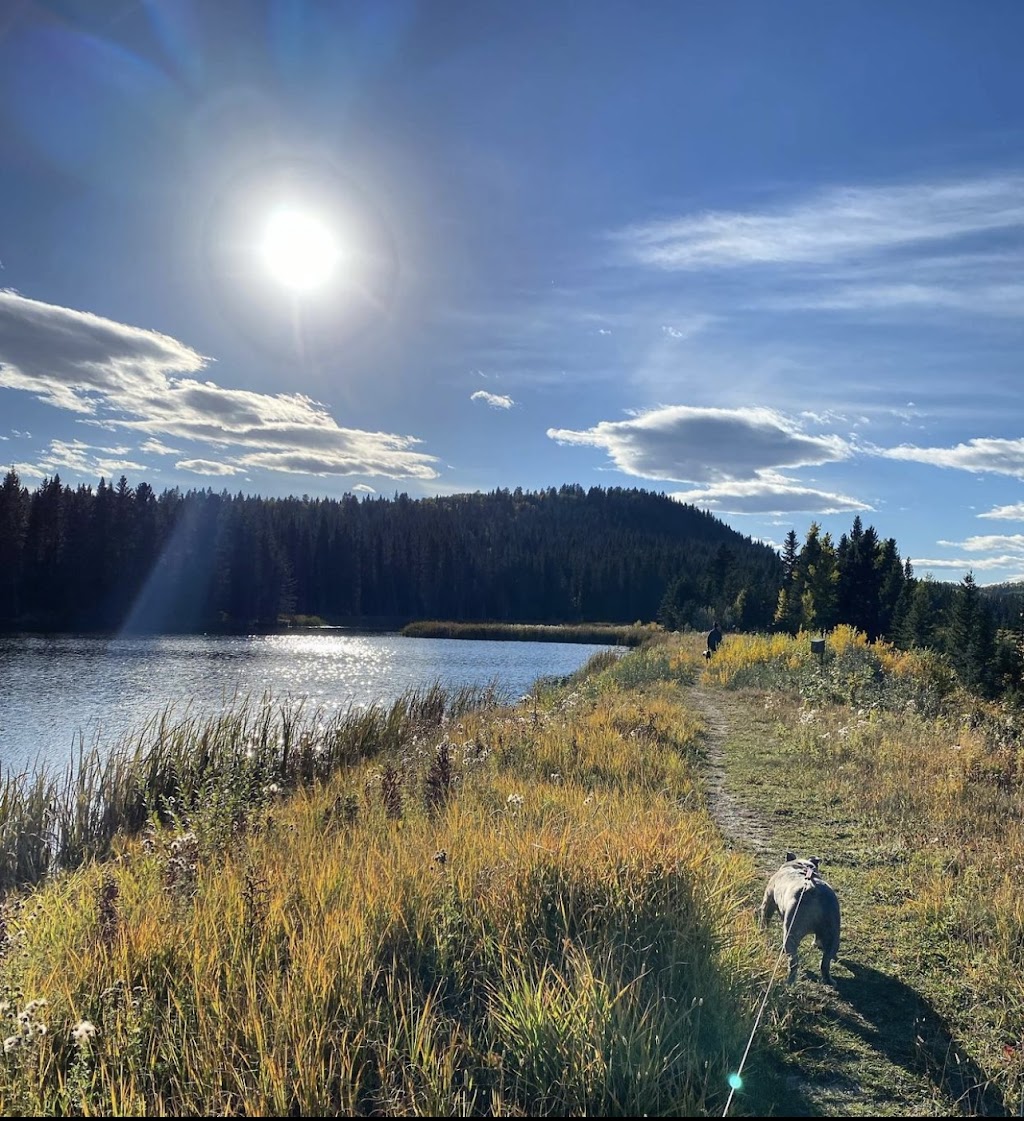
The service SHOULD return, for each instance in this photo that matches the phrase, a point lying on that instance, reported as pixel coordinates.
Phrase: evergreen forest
(118, 558)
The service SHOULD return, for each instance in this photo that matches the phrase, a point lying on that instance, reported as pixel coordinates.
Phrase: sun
(299, 249)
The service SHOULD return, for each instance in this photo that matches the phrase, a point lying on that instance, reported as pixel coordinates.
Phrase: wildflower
(441, 856)
(514, 799)
(39, 1028)
(12, 1043)
(83, 1032)
(556, 776)
(273, 789)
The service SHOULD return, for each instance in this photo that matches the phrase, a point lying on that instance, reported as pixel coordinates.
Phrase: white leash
(736, 1078)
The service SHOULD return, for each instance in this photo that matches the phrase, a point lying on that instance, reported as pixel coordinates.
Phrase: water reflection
(59, 690)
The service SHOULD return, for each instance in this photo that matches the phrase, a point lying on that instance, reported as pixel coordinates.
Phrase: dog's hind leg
(768, 908)
(829, 952)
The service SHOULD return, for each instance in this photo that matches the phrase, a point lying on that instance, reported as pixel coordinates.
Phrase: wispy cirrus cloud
(130, 379)
(495, 400)
(834, 224)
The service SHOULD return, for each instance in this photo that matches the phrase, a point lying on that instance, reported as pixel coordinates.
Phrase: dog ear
(815, 860)
(790, 856)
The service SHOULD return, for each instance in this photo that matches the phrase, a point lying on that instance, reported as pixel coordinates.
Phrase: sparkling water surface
(58, 691)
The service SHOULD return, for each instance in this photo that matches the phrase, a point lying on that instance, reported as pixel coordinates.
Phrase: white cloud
(769, 495)
(122, 377)
(81, 458)
(981, 454)
(76, 360)
(495, 400)
(836, 224)
(967, 563)
(154, 447)
(1009, 513)
(362, 488)
(990, 299)
(207, 467)
(984, 542)
(681, 443)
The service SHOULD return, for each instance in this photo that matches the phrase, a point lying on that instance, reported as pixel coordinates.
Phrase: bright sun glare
(299, 249)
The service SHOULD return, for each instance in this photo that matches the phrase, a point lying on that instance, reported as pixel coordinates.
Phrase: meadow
(458, 906)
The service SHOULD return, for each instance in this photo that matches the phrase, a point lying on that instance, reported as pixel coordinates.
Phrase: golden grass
(521, 911)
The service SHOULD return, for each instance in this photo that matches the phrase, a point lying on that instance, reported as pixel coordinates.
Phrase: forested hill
(118, 557)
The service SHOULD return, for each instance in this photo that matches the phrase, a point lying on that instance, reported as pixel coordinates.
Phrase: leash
(736, 1078)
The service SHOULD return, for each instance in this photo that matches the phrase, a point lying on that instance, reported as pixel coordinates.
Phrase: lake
(59, 690)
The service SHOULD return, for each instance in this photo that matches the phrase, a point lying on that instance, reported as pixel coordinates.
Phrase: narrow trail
(740, 824)
(872, 1045)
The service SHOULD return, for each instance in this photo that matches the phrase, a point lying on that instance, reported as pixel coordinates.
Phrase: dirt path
(740, 824)
(873, 1045)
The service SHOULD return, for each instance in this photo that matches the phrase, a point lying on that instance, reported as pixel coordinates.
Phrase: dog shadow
(897, 1021)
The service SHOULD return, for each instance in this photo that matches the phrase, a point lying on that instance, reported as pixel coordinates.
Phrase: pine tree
(971, 637)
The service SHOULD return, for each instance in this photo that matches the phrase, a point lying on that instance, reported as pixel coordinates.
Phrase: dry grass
(495, 911)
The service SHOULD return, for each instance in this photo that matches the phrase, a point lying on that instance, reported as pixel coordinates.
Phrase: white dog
(807, 905)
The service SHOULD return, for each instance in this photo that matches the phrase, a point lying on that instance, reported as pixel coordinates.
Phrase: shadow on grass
(898, 1022)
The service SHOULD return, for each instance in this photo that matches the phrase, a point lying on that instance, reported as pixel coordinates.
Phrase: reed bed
(444, 908)
(614, 634)
(56, 821)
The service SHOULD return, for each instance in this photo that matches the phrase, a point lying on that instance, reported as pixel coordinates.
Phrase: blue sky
(766, 257)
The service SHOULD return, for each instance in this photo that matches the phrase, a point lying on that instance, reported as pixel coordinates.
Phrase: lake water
(57, 690)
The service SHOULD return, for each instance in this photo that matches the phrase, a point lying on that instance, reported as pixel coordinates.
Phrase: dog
(808, 905)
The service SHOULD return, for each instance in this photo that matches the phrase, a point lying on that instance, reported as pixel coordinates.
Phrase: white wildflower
(12, 1043)
(83, 1032)
(514, 799)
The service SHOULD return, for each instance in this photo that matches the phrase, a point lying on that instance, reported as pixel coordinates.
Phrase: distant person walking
(714, 640)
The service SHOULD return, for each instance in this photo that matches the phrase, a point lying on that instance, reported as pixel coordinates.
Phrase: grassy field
(453, 906)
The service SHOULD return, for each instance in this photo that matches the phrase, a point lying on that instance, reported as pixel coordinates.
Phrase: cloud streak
(769, 495)
(131, 379)
(981, 454)
(836, 224)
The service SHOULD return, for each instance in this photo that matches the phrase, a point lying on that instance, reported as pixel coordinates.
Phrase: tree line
(119, 557)
(123, 558)
(862, 581)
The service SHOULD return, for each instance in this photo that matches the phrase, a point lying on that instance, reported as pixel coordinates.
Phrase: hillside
(126, 558)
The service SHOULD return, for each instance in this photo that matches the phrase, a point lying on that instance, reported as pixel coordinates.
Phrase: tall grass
(851, 671)
(498, 911)
(933, 779)
(56, 821)
(630, 634)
